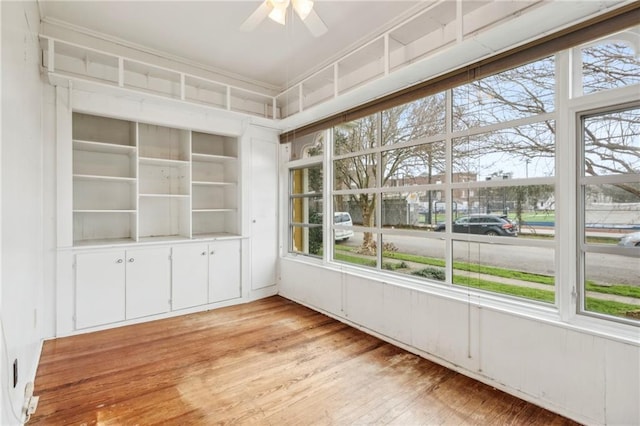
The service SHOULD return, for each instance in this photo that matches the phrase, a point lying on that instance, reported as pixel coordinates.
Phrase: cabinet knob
(131, 260)
(119, 261)
(204, 253)
(212, 252)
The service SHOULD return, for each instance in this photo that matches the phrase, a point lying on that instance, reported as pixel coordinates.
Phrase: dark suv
(485, 224)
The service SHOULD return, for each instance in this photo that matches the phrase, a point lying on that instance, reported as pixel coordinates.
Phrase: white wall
(583, 376)
(22, 270)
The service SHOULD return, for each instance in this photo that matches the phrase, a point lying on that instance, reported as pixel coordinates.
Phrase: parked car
(630, 240)
(343, 219)
(485, 224)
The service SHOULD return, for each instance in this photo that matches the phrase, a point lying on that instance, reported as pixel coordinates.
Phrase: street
(601, 268)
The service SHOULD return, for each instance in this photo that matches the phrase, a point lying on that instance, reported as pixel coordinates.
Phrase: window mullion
(566, 203)
(327, 191)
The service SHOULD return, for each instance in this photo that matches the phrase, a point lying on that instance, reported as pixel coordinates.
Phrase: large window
(305, 204)
(610, 202)
(458, 189)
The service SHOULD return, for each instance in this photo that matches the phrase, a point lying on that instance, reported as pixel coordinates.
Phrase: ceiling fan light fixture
(303, 8)
(279, 15)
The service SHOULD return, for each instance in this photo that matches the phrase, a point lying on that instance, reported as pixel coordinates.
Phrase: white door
(224, 270)
(100, 288)
(148, 281)
(264, 219)
(189, 269)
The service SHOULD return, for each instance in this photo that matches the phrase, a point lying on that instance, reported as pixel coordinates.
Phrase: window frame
(594, 107)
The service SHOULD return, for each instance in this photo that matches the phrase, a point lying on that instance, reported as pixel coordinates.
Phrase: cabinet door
(100, 288)
(148, 281)
(190, 267)
(224, 270)
(264, 223)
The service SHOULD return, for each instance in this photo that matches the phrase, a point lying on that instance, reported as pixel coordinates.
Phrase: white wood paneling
(22, 198)
(364, 302)
(397, 316)
(551, 363)
(321, 289)
(442, 327)
(622, 367)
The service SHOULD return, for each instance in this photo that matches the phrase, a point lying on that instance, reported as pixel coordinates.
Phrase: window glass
(519, 271)
(360, 207)
(307, 180)
(519, 92)
(307, 240)
(610, 64)
(416, 210)
(357, 172)
(610, 198)
(360, 249)
(529, 208)
(422, 258)
(612, 143)
(609, 209)
(415, 120)
(520, 152)
(612, 283)
(356, 135)
(418, 165)
(305, 211)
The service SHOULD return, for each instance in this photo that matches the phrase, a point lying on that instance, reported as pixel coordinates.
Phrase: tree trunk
(368, 216)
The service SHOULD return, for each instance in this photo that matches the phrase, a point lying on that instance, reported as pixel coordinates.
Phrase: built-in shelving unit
(214, 184)
(104, 179)
(137, 182)
(439, 28)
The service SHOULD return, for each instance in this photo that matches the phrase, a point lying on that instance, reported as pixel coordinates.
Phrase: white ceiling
(207, 32)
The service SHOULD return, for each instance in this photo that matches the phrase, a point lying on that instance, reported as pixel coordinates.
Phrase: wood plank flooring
(270, 362)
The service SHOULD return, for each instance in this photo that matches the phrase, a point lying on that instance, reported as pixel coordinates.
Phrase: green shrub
(431, 273)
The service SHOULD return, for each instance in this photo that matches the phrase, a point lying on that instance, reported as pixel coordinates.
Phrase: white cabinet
(100, 288)
(189, 276)
(224, 270)
(148, 282)
(117, 285)
(205, 273)
(155, 219)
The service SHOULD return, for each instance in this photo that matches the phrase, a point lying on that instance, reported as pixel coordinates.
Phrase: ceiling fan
(277, 11)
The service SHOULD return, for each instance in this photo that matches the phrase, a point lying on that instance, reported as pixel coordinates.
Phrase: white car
(630, 240)
(343, 219)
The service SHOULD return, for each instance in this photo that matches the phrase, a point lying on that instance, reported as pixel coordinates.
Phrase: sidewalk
(550, 230)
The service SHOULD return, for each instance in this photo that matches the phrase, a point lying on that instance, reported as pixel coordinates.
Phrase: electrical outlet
(32, 405)
(28, 391)
(30, 401)
(15, 373)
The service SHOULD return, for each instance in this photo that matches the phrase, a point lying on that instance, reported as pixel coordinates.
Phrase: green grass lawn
(593, 304)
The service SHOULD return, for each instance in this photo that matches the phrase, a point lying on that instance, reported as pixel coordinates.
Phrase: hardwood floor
(269, 362)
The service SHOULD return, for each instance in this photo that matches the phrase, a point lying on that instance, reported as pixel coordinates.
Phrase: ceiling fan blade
(315, 24)
(257, 16)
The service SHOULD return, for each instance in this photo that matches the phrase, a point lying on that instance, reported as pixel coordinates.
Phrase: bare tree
(408, 122)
